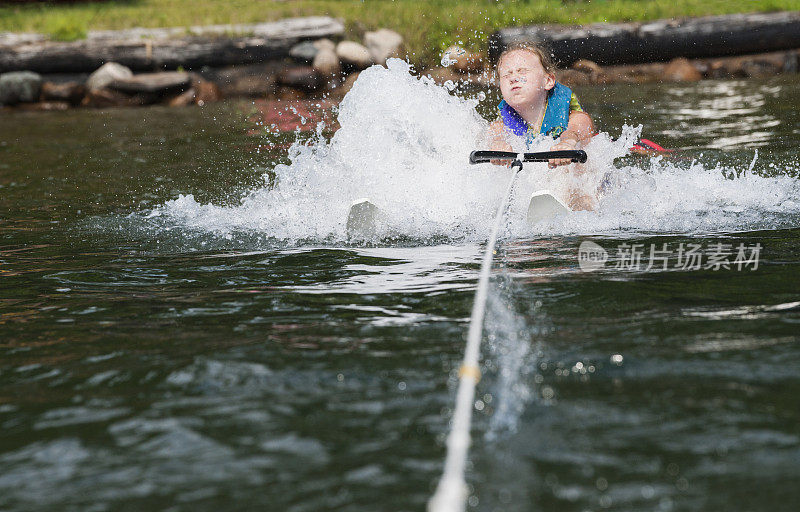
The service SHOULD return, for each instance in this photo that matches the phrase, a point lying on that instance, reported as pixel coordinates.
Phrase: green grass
(428, 26)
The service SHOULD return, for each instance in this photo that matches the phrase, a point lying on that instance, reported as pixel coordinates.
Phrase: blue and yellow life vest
(556, 115)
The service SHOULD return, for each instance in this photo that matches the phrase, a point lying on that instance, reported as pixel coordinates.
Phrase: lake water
(184, 324)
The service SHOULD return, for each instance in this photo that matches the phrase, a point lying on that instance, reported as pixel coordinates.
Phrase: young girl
(535, 104)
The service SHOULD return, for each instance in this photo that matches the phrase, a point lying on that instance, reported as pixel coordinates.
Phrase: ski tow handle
(480, 157)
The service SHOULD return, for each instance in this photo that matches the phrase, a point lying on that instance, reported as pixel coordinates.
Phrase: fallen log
(658, 41)
(157, 49)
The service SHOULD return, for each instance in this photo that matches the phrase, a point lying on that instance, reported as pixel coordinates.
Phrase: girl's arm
(579, 130)
(497, 141)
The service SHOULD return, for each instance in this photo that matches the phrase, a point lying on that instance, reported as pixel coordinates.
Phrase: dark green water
(162, 366)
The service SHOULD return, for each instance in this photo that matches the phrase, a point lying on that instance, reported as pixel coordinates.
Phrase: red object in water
(645, 146)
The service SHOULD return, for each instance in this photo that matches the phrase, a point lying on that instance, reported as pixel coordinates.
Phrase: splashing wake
(404, 142)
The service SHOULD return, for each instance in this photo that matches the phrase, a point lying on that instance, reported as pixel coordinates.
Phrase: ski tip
(360, 201)
(545, 205)
(364, 219)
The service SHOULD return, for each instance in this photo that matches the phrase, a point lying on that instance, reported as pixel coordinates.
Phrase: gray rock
(327, 62)
(325, 44)
(106, 74)
(153, 83)
(354, 54)
(304, 78)
(382, 44)
(20, 87)
(304, 52)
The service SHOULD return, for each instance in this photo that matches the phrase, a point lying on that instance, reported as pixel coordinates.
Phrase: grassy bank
(428, 26)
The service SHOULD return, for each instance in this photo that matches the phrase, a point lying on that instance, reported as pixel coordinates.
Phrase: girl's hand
(502, 147)
(563, 144)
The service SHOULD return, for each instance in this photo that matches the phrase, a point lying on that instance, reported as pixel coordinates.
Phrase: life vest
(556, 115)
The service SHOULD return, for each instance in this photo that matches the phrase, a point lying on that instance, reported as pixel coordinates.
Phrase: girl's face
(523, 80)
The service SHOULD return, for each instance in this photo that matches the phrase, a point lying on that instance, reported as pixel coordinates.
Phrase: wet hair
(544, 56)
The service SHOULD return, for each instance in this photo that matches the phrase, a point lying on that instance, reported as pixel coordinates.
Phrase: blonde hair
(544, 56)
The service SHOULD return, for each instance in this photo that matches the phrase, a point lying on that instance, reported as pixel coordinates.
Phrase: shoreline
(258, 82)
(293, 59)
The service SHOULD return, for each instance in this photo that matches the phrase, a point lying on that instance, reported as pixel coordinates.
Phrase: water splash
(450, 56)
(669, 197)
(510, 357)
(753, 163)
(404, 142)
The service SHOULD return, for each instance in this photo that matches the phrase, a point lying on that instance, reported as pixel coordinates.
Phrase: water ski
(648, 147)
(544, 205)
(363, 219)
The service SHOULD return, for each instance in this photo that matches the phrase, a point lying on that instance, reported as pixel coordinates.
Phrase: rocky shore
(284, 60)
(291, 60)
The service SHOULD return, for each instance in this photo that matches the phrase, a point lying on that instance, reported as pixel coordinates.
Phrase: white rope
(451, 493)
